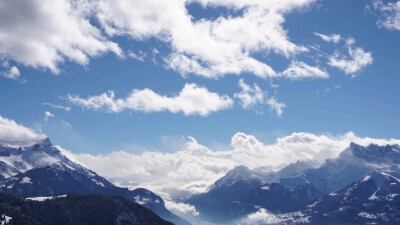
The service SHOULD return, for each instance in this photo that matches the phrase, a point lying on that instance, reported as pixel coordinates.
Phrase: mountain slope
(373, 199)
(284, 195)
(77, 209)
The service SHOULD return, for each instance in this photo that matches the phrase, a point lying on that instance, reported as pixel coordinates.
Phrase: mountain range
(360, 186)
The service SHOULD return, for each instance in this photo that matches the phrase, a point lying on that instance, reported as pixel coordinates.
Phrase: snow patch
(367, 215)
(265, 188)
(5, 219)
(141, 201)
(390, 197)
(26, 180)
(41, 199)
(98, 182)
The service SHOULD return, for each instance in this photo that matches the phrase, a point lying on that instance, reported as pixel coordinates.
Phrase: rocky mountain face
(75, 209)
(43, 170)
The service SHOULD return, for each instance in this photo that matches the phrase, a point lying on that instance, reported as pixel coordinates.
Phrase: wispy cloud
(252, 96)
(55, 106)
(48, 115)
(354, 61)
(335, 38)
(298, 70)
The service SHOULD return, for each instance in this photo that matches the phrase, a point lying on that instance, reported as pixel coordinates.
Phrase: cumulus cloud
(47, 115)
(251, 96)
(194, 167)
(299, 70)
(46, 33)
(389, 14)
(43, 34)
(13, 133)
(13, 73)
(353, 62)
(335, 38)
(192, 100)
(207, 47)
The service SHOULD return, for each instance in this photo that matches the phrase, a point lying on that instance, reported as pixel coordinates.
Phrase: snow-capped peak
(14, 160)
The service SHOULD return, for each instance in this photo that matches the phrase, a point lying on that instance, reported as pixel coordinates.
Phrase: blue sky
(364, 101)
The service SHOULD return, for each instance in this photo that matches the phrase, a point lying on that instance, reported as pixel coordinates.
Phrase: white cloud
(16, 134)
(46, 33)
(328, 89)
(192, 100)
(139, 56)
(206, 47)
(335, 38)
(181, 208)
(356, 60)
(251, 96)
(43, 34)
(48, 115)
(13, 73)
(66, 124)
(390, 14)
(276, 106)
(195, 167)
(300, 70)
(262, 216)
(55, 106)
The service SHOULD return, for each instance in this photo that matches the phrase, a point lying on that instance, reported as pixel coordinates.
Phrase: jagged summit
(373, 153)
